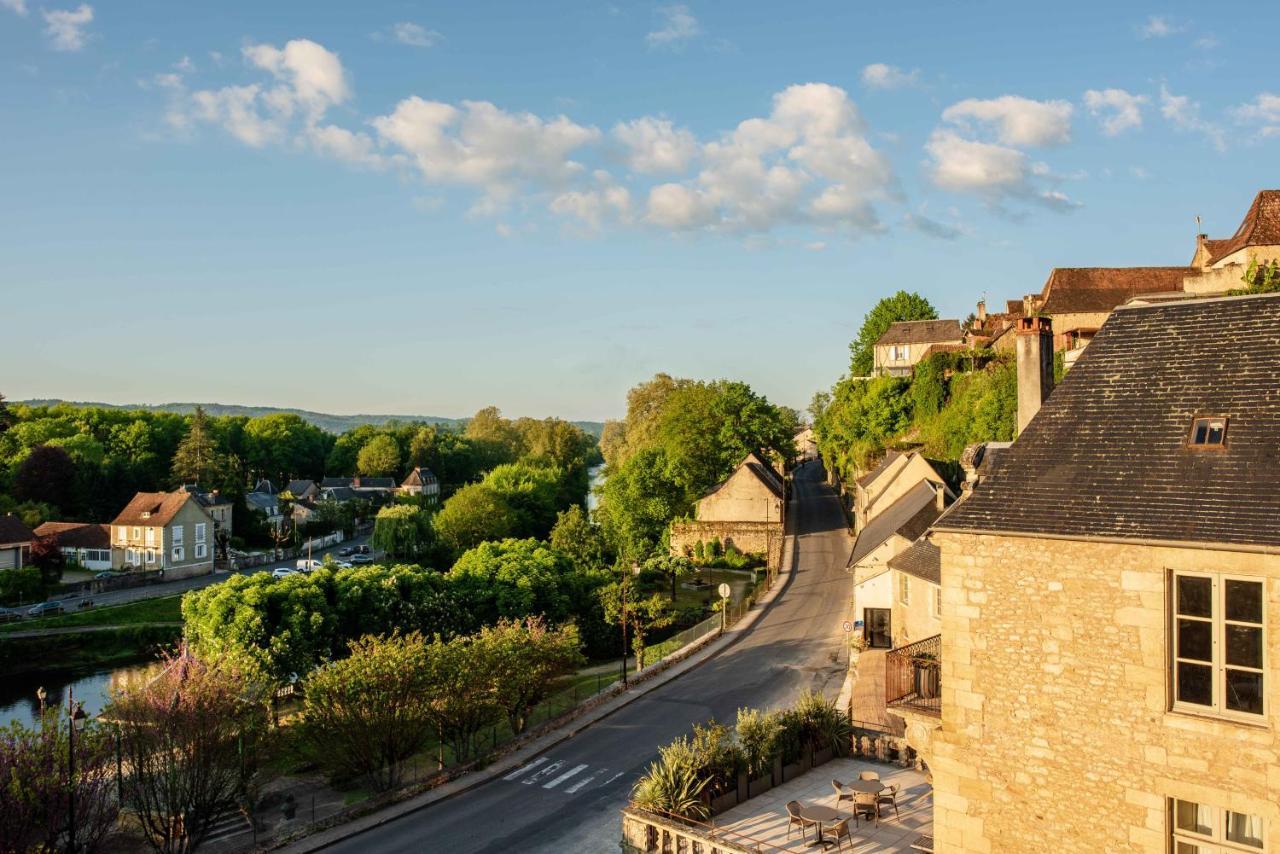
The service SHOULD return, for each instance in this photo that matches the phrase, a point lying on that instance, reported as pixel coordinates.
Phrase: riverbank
(84, 640)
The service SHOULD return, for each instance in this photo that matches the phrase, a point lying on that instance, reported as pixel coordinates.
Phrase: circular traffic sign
(848, 626)
(725, 590)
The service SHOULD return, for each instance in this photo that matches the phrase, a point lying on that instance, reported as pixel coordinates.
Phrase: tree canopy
(901, 306)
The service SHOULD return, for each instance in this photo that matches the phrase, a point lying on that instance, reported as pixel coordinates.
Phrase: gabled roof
(374, 483)
(265, 487)
(754, 464)
(1260, 227)
(206, 499)
(909, 516)
(263, 501)
(420, 476)
(76, 535)
(1106, 456)
(336, 481)
(922, 560)
(1071, 290)
(299, 487)
(339, 493)
(154, 509)
(922, 332)
(13, 531)
(885, 462)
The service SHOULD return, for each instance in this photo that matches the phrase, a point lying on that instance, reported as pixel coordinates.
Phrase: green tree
(379, 457)
(892, 309)
(462, 700)
(366, 714)
(583, 542)
(623, 602)
(531, 490)
(928, 387)
(283, 446)
(676, 569)
(403, 531)
(198, 459)
(512, 579)
(6, 416)
(474, 514)
(523, 659)
(640, 500)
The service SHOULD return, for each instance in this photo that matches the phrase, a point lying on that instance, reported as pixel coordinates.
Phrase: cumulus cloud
(654, 145)
(1263, 111)
(66, 27)
(1184, 114)
(1116, 109)
(16, 6)
(608, 202)
(676, 26)
(415, 35)
(311, 77)
(877, 75)
(1016, 120)
(1158, 27)
(994, 172)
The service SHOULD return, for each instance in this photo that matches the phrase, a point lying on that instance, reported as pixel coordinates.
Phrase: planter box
(821, 756)
(744, 786)
(795, 769)
(759, 787)
(724, 802)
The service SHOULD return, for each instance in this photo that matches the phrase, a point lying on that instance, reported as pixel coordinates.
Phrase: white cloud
(679, 208)
(66, 27)
(609, 202)
(1183, 113)
(816, 246)
(358, 149)
(1016, 120)
(1116, 109)
(184, 65)
(1158, 27)
(311, 76)
(415, 35)
(1263, 111)
(677, 25)
(656, 146)
(17, 6)
(236, 110)
(993, 172)
(877, 75)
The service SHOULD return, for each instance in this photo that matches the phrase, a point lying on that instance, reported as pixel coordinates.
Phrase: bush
(758, 734)
(699, 551)
(716, 549)
(672, 784)
(21, 586)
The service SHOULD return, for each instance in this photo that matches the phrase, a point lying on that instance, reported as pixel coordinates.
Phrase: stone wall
(1056, 724)
(748, 537)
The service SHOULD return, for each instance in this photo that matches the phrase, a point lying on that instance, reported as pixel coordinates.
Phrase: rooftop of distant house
(1260, 227)
(922, 332)
(76, 535)
(922, 559)
(153, 509)
(909, 516)
(13, 531)
(756, 465)
(1089, 290)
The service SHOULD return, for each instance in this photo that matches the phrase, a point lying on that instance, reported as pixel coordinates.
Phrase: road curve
(568, 799)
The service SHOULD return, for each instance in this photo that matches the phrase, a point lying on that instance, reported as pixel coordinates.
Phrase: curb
(689, 657)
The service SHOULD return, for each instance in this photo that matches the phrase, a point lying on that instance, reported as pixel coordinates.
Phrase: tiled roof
(1071, 290)
(922, 332)
(1260, 227)
(922, 560)
(77, 535)
(420, 476)
(763, 472)
(152, 509)
(12, 530)
(909, 516)
(1106, 456)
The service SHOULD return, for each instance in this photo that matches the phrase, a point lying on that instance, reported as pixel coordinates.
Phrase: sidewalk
(690, 657)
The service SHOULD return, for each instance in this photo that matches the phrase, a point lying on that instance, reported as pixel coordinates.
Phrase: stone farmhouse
(905, 343)
(746, 510)
(168, 531)
(15, 542)
(1110, 602)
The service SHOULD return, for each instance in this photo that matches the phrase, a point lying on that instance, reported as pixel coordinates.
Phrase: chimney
(941, 496)
(982, 311)
(1035, 366)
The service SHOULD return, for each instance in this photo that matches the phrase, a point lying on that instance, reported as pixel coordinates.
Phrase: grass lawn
(159, 610)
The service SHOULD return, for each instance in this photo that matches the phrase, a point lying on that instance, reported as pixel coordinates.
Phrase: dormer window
(1208, 432)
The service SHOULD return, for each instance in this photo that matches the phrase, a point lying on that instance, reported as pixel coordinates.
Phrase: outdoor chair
(889, 797)
(869, 775)
(841, 794)
(865, 806)
(839, 832)
(793, 819)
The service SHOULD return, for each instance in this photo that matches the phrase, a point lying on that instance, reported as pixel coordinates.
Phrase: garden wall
(747, 537)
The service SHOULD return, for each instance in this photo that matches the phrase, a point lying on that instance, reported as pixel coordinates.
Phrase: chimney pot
(982, 311)
(1035, 366)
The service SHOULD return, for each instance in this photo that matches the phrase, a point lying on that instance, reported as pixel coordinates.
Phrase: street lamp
(75, 714)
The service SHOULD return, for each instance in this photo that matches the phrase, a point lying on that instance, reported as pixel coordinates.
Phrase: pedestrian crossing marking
(551, 775)
(565, 776)
(519, 771)
(584, 782)
(544, 773)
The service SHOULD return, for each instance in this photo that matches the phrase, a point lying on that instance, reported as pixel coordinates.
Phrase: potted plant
(758, 736)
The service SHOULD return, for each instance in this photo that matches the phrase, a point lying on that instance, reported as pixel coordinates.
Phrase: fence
(733, 612)
(913, 676)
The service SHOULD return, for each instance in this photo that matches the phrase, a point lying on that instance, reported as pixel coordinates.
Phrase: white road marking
(565, 776)
(545, 772)
(614, 777)
(518, 772)
(584, 782)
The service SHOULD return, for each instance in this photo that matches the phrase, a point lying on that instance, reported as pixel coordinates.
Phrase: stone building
(169, 531)
(1110, 625)
(1222, 263)
(746, 510)
(904, 344)
(422, 481)
(897, 473)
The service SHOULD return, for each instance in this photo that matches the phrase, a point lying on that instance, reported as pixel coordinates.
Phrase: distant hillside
(325, 421)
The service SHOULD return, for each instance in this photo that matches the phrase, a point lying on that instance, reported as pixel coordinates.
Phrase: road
(569, 798)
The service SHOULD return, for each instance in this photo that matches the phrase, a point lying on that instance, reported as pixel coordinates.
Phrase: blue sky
(427, 208)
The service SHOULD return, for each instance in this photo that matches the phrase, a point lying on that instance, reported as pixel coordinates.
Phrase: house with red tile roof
(83, 543)
(168, 531)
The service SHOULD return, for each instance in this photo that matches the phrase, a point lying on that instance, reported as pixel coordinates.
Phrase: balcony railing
(913, 676)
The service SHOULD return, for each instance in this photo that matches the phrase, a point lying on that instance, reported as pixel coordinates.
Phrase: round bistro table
(818, 814)
(867, 787)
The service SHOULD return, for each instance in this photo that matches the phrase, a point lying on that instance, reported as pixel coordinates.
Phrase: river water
(596, 474)
(18, 700)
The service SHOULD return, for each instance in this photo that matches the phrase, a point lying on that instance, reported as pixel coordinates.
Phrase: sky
(426, 208)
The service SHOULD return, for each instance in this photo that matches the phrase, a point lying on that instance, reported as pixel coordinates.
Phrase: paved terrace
(764, 818)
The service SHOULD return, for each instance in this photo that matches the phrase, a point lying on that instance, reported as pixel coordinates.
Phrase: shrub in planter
(821, 723)
(672, 784)
(758, 737)
(718, 757)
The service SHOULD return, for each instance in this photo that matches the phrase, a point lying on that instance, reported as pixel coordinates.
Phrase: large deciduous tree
(380, 456)
(892, 309)
(522, 661)
(624, 603)
(582, 541)
(474, 514)
(512, 579)
(403, 531)
(47, 475)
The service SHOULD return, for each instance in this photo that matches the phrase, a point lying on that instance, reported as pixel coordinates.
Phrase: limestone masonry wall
(748, 537)
(1057, 733)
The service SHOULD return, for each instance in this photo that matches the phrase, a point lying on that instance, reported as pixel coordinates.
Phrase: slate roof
(206, 499)
(1106, 455)
(1260, 227)
(922, 560)
(299, 487)
(335, 481)
(76, 535)
(264, 501)
(911, 515)
(265, 487)
(374, 483)
(889, 457)
(153, 509)
(1071, 290)
(420, 476)
(922, 332)
(341, 494)
(12, 530)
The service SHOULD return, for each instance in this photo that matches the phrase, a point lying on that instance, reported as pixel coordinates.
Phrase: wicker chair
(841, 794)
(866, 806)
(888, 797)
(840, 832)
(793, 819)
(869, 775)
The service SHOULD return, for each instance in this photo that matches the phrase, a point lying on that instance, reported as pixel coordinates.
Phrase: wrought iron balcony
(913, 676)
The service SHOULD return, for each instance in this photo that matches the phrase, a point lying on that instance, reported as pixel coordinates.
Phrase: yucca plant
(822, 721)
(672, 784)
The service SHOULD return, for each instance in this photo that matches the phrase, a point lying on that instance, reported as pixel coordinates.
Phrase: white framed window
(151, 555)
(150, 538)
(200, 531)
(936, 595)
(202, 551)
(904, 588)
(122, 534)
(898, 352)
(179, 553)
(1218, 661)
(1201, 829)
(137, 534)
(131, 557)
(179, 535)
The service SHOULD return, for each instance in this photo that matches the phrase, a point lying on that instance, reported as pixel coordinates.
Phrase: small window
(1218, 652)
(179, 554)
(937, 602)
(1197, 828)
(202, 551)
(151, 555)
(200, 532)
(904, 588)
(122, 534)
(179, 535)
(151, 536)
(1208, 433)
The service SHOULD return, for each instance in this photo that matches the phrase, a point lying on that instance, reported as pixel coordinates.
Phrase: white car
(342, 564)
(283, 572)
(361, 559)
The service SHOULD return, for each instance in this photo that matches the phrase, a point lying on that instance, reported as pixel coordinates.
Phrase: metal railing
(913, 676)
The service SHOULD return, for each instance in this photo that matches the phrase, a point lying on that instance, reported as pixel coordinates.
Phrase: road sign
(725, 590)
(848, 626)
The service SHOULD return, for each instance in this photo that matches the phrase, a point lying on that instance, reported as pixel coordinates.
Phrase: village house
(989, 329)
(746, 511)
(217, 505)
(15, 542)
(905, 343)
(169, 531)
(1111, 601)
(421, 482)
(1223, 263)
(302, 490)
(377, 490)
(85, 544)
(265, 501)
(897, 473)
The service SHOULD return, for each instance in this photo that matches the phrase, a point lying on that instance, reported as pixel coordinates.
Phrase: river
(18, 693)
(596, 475)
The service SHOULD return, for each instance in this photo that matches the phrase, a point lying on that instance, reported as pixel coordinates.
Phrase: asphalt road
(569, 798)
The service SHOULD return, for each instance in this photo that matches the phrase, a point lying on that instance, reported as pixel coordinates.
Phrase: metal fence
(913, 676)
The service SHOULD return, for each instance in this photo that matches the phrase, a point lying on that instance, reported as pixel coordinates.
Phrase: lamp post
(75, 713)
(625, 583)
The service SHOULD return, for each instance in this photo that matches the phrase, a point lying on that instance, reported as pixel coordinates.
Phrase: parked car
(342, 564)
(346, 551)
(283, 572)
(10, 615)
(361, 559)
(44, 609)
(364, 550)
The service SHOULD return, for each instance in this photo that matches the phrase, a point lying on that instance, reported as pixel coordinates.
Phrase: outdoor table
(817, 814)
(867, 787)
